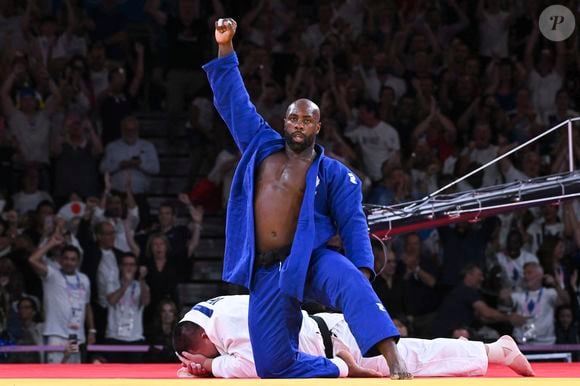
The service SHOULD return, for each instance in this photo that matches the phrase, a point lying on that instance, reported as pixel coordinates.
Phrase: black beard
(298, 147)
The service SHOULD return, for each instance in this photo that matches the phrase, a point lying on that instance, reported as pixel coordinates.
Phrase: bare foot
(514, 358)
(354, 370)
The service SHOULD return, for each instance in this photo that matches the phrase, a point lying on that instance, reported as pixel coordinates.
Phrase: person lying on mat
(213, 340)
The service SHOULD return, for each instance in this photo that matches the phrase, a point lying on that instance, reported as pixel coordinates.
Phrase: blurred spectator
(524, 121)
(98, 72)
(188, 42)
(100, 263)
(29, 125)
(394, 188)
(66, 298)
(121, 211)
(42, 223)
(419, 280)
(160, 332)
(481, 151)
(126, 300)
(538, 304)
(30, 196)
(463, 244)
(130, 157)
(549, 224)
(183, 239)
(30, 331)
(562, 110)
(530, 167)
(109, 25)
(377, 140)
(388, 284)
(76, 160)
(566, 326)
(546, 74)
(551, 255)
(162, 276)
(116, 102)
(512, 261)
(494, 27)
(464, 305)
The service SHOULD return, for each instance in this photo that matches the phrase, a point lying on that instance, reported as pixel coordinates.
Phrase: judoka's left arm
(345, 201)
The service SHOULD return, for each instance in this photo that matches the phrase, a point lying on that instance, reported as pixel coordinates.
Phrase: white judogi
(225, 321)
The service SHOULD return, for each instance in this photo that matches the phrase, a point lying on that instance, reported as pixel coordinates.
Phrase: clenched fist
(225, 29)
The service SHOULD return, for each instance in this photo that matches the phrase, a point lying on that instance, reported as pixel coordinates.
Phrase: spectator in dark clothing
(462, 244)
(109, 25)
(159, 333)
(464, 305)
(419, 281)
(388, 284)
(117, 102)
(162, 276)
(42, 222)
(76, 164)
(182, 239)
(566, 327)
(188, 42)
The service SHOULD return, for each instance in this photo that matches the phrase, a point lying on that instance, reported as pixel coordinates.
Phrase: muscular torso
(280, 185)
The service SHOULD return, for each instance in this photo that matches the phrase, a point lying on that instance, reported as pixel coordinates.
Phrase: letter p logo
(557, 23)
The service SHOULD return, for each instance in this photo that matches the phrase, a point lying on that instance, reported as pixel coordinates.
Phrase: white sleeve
(233, 366)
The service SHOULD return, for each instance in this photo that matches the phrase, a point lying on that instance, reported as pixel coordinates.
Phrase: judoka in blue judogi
(332, 203)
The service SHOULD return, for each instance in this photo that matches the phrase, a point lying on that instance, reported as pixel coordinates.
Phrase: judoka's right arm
(233, 365)
(231, 98)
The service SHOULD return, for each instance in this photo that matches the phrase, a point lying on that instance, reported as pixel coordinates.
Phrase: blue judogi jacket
(332, 198)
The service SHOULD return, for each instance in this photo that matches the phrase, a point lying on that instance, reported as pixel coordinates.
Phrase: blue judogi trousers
(275, 319)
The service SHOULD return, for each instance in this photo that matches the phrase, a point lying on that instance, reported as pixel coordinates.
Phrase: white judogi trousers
(440, 357)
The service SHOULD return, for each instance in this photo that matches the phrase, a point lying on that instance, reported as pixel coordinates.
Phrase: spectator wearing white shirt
(67, 295)
(546, 75)
(122, 214)
(30, 126)
(494, 27)
(126, 300)
(131, 162)
(538, 303)
(132, 155)
(512, 261)
(30, 196)
(377, 140)
(548, 224)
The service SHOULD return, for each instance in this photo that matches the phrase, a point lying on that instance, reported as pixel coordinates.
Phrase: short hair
(369, 105)
(100, 225)
(534, 265)
(128, 119)
(185, 337)
(44, 203)
(469, 268)
(167, 204)
(71, 248)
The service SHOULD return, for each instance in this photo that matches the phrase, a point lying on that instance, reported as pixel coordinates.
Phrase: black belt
(266, 259)
(326, 336)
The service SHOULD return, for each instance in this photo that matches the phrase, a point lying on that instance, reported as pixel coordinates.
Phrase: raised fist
(225, 29)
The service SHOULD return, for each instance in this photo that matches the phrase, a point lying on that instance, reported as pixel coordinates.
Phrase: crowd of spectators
(413, 94)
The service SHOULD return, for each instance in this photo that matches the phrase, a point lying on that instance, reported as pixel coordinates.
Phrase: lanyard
(531, 305)
(69, 285)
